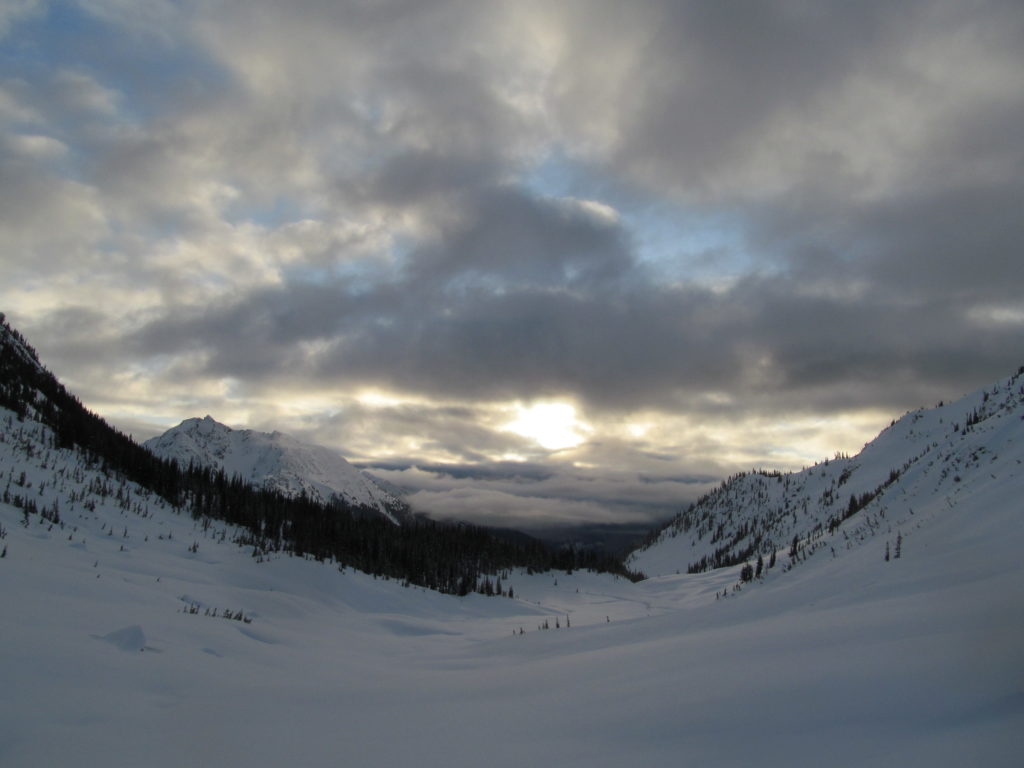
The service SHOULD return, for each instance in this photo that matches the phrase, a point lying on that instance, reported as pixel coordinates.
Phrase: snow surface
(274, 460)
(108, 656)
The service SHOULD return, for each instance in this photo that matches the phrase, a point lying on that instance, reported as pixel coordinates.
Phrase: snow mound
(129, 639)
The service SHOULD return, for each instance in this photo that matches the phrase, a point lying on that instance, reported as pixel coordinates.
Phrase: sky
(540, 264)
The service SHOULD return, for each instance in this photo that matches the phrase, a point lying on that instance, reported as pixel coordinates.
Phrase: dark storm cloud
(418, 177)
(962, 244)
(696, 89)
(525, 298)
(930, 243)
(702, 79)
(507, 239)
(506, 259)
(515, 296)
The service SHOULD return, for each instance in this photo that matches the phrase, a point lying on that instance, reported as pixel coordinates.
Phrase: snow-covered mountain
(924, 463)
(276, 461)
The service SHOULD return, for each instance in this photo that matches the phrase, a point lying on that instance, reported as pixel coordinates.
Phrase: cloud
(541, 497)
(722, 102)
(81, 92)
(483, 506)
(14, 11)
(767, 341)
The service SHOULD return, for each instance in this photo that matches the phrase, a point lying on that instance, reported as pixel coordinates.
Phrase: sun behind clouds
(552, 425)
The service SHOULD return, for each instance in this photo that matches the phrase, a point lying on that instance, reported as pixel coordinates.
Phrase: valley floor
(846, 661)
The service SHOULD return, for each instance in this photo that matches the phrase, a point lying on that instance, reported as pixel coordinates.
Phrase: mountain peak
(276, 461)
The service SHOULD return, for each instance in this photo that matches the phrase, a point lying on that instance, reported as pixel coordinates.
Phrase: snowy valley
(887, 632)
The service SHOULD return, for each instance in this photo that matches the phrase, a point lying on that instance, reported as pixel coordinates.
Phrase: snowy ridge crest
(275, 461)
(926, 460)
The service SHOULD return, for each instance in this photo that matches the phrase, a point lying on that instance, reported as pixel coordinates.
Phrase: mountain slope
(926, 461)
(277, 462)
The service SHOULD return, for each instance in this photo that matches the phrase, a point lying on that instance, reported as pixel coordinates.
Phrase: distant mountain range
(275, 461)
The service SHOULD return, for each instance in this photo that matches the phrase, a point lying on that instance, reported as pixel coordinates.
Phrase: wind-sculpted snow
(926, 460)
(275, 461)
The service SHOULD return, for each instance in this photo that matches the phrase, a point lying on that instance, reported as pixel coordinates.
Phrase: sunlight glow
(553, 426)
(639, 429)
(379, 398)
